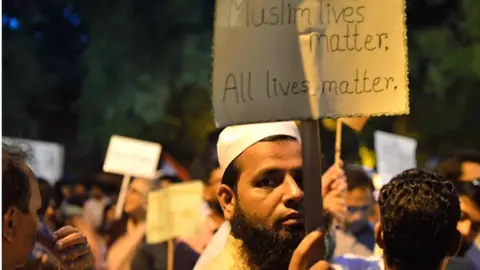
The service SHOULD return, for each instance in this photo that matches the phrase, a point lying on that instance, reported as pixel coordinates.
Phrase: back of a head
(15, 182)
(419, 214)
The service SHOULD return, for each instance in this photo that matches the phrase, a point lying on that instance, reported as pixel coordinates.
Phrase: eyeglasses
(362, 209)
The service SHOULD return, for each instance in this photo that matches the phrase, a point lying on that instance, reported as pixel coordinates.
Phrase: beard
(265, 248)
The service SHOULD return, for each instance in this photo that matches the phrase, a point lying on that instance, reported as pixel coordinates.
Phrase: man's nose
(293, 193)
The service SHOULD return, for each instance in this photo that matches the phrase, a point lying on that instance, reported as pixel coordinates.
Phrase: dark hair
(469, 190)
(207, 161)
(15, 182)
(46, 191)
(358, 178)
(232, 172)
(451, 166)
(419, 212)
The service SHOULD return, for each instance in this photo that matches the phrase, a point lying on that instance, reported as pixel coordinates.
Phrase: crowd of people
(422, 219)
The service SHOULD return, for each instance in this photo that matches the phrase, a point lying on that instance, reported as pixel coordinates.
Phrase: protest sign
(292, 59)
(395, 154)
(132, 157)
(174, 211)
(48, 157)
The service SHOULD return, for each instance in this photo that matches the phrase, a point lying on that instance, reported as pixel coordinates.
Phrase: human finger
(64, 231)
(71, 240)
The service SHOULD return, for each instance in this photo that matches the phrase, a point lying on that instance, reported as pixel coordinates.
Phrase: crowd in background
(350, 199)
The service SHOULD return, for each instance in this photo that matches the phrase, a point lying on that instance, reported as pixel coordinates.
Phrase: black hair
(207, 161)
(451, 166)
(46, 191)
(469, 190)
(16, 190)
(419, 212)
(358, 178)
(232, 172)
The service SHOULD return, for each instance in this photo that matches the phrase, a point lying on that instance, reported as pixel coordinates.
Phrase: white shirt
(214, 247)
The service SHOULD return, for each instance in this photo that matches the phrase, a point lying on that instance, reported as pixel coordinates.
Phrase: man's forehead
(265, 155)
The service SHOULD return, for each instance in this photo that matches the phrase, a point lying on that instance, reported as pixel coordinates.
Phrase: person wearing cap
(261, 195)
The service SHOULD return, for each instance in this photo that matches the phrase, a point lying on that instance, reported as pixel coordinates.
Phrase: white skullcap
(233, 140)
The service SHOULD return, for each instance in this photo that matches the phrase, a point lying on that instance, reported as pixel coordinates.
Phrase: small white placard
(395, 154)
(48, 157)
(132, 157)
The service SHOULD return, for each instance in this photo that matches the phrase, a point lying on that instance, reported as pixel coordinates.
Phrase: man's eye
(267, 182)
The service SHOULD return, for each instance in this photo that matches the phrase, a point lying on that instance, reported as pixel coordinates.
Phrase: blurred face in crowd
(360, 203)
(66, 191)
(80, 190)
(211, 190)
(469, 224)
(470, 171)
(136, 200)
(20, 227)
(97, 192)
(265, 209)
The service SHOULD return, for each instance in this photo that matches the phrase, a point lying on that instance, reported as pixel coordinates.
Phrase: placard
(395, 154)
(132, 157)
(48, 157)
(174, 211)
(291, 59)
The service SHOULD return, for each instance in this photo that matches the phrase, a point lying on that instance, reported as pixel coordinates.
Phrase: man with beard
(261, 195)
(21, 200)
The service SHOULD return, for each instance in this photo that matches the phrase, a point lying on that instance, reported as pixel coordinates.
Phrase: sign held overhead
(132, 157)
(293, 59)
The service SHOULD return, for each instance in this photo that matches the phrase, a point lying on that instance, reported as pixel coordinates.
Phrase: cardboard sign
(174, 211)
(292, 59)
(395, 154)
(132, 157)
(48, 157)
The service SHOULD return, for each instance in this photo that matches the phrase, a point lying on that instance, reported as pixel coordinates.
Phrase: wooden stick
(122, 196)
(171, 249)
(312, 173)
(338, 141)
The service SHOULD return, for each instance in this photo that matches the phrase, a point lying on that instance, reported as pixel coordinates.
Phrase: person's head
(21, 201)
(469, 224)
(213, 176)
(419, 212)
(463, 165)
(46, 192)
(261, 193)
(166, 180)
(80, 190)
(97, 192)
(136, 200)
(359, 197)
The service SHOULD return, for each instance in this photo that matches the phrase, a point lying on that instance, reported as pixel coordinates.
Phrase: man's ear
(456, 244)
(379, 235)
(10, 220)
(226, 199)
